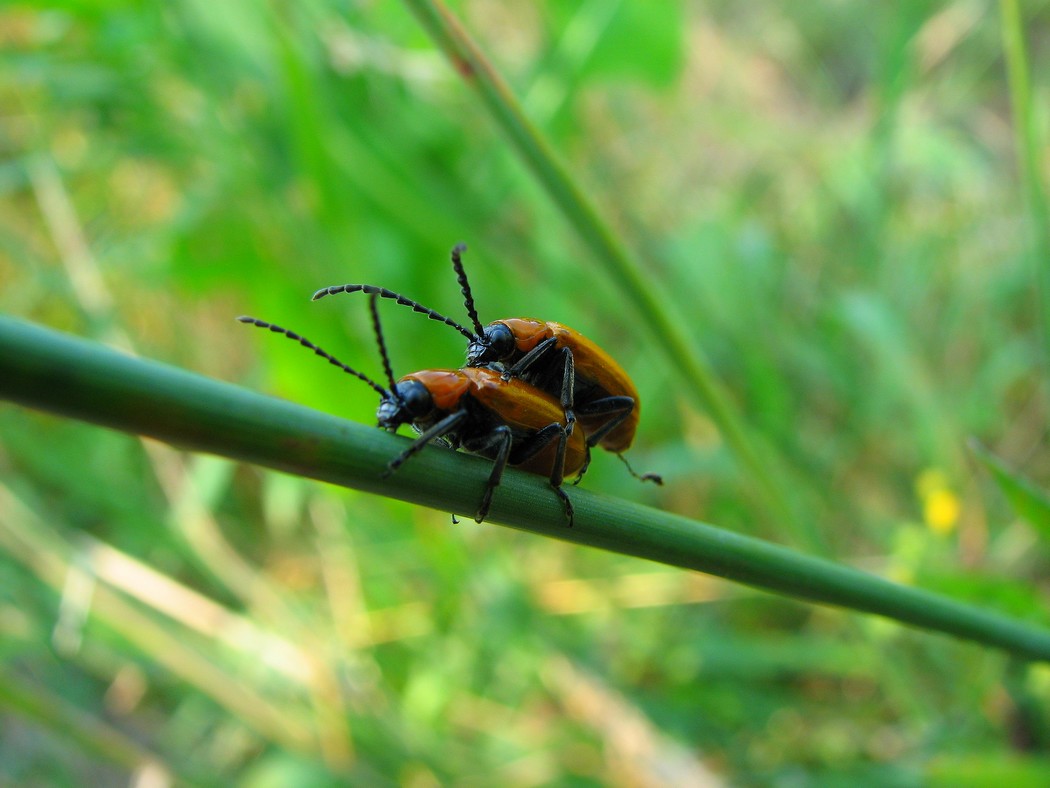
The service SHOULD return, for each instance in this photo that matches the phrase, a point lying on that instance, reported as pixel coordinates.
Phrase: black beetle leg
(568, 382)
(655, 478)
(616, 408)
(535, 444)
(502, 438)
(443, 427)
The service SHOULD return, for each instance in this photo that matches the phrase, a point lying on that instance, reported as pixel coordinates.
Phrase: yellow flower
(940, 509)
(940, 506)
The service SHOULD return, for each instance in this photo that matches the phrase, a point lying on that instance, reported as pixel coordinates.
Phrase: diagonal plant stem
(763, 467)
(54, 372)
(1029, 159)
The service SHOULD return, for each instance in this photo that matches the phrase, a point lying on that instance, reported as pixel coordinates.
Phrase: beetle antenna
(373, 306)
(382, 292)
(306, 343)
(464, 287)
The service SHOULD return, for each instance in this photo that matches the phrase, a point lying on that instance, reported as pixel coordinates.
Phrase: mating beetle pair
(474, 408)
(535, 395)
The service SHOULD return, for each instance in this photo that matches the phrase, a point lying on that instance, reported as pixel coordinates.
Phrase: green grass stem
(651, 306)
(50, 371)
(1029, 159)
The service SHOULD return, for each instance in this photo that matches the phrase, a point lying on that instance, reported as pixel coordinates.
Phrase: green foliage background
(831, 199)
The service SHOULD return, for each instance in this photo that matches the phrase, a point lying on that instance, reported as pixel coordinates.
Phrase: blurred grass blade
(54, 559)
(54, 372)
(1028, 501)
(89, 732)
(1029, 158)
(765, 470)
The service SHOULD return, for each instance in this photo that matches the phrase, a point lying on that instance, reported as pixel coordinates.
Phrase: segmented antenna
(306, 343)
(464, 288)
(373, 306)
(382, 292)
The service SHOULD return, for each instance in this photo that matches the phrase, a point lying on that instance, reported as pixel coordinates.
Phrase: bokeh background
(828, 194)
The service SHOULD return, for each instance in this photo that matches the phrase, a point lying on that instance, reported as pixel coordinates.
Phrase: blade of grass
(50, 371)
(91, 734)
(766, 471)
(52, 559)
(1029, 159)
(1028, 501)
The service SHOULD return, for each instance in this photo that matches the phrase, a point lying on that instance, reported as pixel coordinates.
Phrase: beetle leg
(568, 381)
(655, 478)
(568, 386)
(443, 427)
(522, 365)
(586, 465)
(616, 408)
(503, 439)
(535, 444)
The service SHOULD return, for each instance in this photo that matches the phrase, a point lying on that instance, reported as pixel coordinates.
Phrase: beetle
(589, 384)
(508, 421)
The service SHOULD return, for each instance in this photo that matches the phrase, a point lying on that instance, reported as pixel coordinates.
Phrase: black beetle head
(408, 402)
(494, 345)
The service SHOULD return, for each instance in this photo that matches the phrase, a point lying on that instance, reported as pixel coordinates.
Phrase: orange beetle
(476, 409)
(508, 421)
(589, 384)
(556, 358)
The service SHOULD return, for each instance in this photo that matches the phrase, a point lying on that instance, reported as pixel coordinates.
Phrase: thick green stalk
(50, 371)
(682, 353)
